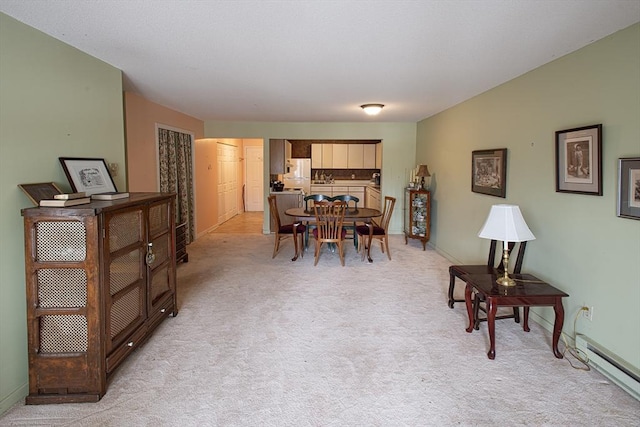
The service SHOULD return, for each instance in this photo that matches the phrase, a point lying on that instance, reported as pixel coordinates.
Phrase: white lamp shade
(505, 223)
(372, 109)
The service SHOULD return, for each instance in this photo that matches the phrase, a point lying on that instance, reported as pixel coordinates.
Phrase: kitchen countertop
(345, 182)
(286, 191)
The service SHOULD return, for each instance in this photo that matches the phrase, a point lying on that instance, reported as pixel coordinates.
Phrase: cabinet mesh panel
(159, 283)
(161, 249)
(124, 311)
(66, 287)
(60, 241)
(124, 229)
(63, 334)
(124, 271)
(159, 218)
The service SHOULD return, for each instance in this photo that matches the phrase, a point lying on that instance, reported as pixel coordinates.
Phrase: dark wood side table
(528, 292)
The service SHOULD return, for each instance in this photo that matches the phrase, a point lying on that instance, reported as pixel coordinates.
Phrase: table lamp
(423, 172)
(505, 223)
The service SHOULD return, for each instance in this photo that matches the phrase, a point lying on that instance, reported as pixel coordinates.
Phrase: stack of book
(66, 199)
(110, 196)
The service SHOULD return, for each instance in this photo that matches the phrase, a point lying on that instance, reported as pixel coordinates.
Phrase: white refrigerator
(298, 175)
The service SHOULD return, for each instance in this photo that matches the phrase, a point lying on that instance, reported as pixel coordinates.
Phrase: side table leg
(557, 326)
(525, 322)
(467, 300)
(492, 307)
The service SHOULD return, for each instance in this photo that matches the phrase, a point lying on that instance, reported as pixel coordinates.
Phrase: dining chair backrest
(352, 201)
(329, 219)
(273, 210)
(389, 204)
(314, 198)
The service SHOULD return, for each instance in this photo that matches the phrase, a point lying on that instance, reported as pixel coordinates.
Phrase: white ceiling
(314, 60)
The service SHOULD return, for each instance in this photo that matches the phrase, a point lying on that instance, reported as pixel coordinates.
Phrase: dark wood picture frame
(40, 191)
(88, 175)
(629, 187)
(489, 172)
(579, 160)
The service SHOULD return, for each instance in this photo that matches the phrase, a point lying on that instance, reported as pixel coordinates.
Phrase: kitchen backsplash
(341, 174)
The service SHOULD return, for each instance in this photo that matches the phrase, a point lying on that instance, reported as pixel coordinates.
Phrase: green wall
(581, 246)
(54, 101)
(398, 149)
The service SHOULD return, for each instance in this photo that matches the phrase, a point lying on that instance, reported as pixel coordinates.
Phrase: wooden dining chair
(308, 207)
(352, 202)
(329, 229)
(295, 230)
(377, 229)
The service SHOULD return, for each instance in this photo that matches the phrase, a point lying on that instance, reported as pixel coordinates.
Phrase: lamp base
(505, 281)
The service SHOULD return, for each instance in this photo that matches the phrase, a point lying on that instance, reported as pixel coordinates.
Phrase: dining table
(352, 214)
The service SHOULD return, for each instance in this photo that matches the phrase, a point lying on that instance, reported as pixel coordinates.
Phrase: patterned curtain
(176, 175)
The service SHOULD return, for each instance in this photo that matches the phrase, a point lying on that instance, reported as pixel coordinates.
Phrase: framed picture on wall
(629, 187)
(89, 175)
(489, 172)
(579, 160)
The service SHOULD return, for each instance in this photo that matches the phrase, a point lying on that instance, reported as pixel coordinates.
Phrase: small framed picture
(89, 175)
(40, 191)
(629, 187)
(489, 172)
(579, 160)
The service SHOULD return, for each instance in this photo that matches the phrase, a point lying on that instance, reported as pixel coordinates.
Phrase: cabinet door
(340, 156)
(159, 259)
(125, 249)
(327, 156)
(379, 156)
(276, 156)
(316, 156)
(355, 157)
(369, 157)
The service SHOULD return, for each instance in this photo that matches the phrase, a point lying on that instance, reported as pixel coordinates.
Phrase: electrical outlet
(587, 312)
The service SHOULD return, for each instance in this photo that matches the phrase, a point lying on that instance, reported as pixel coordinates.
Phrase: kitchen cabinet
(340, 156)
(100, 278)
(369, 156)
(277, 156)
(355, 158)
(327, 156)
(378, 155)
(316, 156)
(372, 198)
(417, 215)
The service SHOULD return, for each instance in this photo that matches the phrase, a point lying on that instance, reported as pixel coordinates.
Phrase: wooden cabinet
(372, 198)
(316, 156)
(340, 156)
(100, 277)
(378, 155)
(369, 156)
(181, 243)
(276, 156)
(355, 158)
(417, 215)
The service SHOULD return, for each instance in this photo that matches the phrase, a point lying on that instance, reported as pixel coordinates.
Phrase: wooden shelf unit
(417, 215)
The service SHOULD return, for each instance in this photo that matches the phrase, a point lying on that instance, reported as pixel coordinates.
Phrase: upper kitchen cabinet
(316, 156)
(340, 156)
(379, 155)
(369, 156)
(276, 156)
(355, 159)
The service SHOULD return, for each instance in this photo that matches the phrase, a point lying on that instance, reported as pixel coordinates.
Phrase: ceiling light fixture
(372, 109)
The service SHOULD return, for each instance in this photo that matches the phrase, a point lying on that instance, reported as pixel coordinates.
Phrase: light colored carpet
(270, 342)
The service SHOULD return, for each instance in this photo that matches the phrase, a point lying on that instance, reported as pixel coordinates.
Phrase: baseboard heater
(611, 366)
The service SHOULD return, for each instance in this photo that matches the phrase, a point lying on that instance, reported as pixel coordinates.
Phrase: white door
(253, 179)
(227, 182)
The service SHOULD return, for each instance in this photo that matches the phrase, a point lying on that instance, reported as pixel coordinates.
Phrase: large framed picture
(40, 191)
(489, 172)
(89, 175)
(629, 187)
(579, 160)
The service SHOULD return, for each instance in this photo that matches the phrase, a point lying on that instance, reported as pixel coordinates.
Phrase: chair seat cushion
(364, 230)
(343, 233)
(288, 229)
